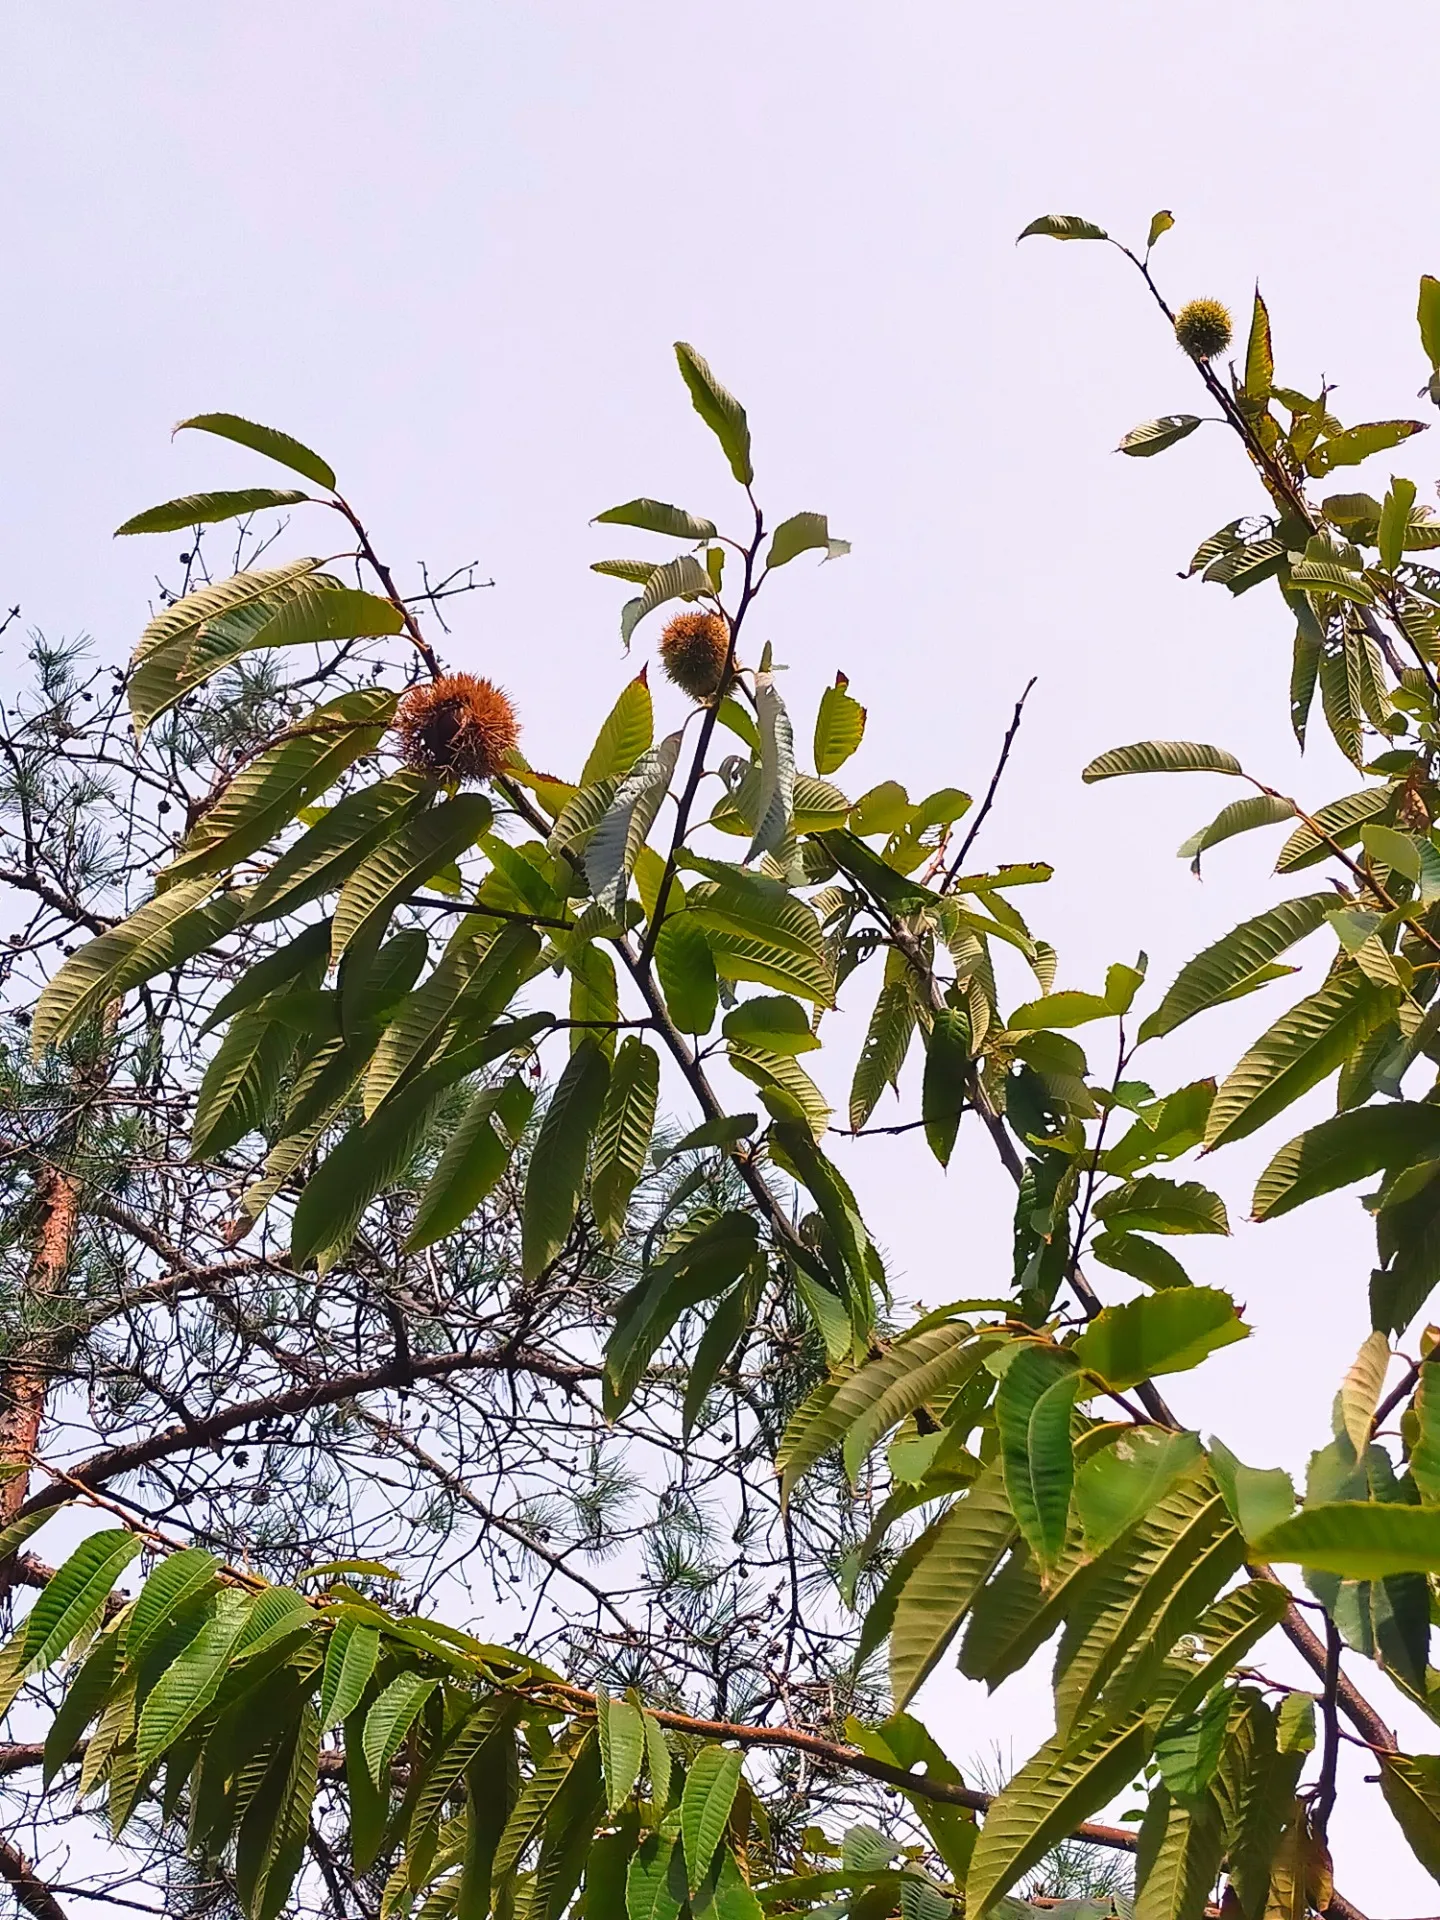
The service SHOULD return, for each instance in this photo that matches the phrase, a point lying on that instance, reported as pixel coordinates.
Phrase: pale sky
(450, 245)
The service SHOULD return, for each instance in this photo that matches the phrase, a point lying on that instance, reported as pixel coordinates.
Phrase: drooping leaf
(190, 1683)
(1411, 1786)
(710, 1788)
(475, 979)
(162, 934)
(1166, 1332)
(655, 1882)
(390, 1719)
(475, 1157)
(686, 967)
(1228, 963)
(205, 509)
(1161, 756)
(946, 1084)
(622, 1137)
(1033, 1413)
(622, 1746)
(556, 1176)
(267, 440)
(960, 1552)
(776, 807)
(720, 411)
(240, 1083)
(707, 1263)
(613, 847)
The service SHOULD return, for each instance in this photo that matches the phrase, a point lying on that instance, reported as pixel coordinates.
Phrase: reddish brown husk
(459, 727)
(692, 652)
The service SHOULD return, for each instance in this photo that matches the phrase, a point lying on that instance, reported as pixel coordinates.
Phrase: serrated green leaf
(1154, 436)
(706, 1263)
(1128, 1253)
(1120, 1484)
(349, 1662)
(622, 1137)
(775, 809)
(476, 979)
(1068, 1008)
(1241, 816)
(322, 857)
(178, 1578)
(839, 726)
(883, 1050)
(1166, 1332)
(775, 1022)
(1033, 1414)
(655, 1881)
(946, 1085)
(720, 411)
(1063, 1784)
(205, 509)
(390, 1719)
(240, 1084)
(1302, 1048)
(162, 934)
(1349, 1147)
(1063, 226)
(656, 517)
(686, 966)
(402, 863)
(1358, 1539)
(1348, 449)
(710, 1788)
(1341, 821)
(627, 733)
(556, 1177)
(1411, 1786)
(263, 799)
(1161, 756)
(960, 1552)
(1226, 965)
(190, 1683)
(1153, 1205)
(267, 440)
(802, 533)
(621, 1728)
(613, 847)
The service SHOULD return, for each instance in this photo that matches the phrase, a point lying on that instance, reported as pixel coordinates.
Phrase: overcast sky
(449, 244)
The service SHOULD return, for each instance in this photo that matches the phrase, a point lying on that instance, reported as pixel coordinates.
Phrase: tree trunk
(26, 1373)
